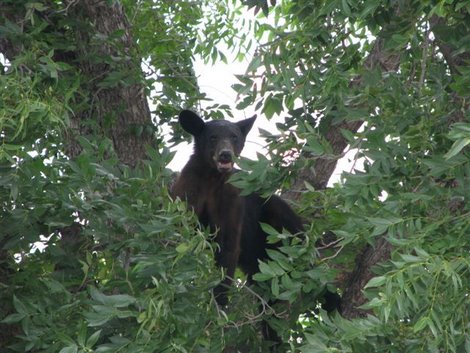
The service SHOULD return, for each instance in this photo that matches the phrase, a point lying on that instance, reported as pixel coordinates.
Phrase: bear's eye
(213, 138)
(234, 138)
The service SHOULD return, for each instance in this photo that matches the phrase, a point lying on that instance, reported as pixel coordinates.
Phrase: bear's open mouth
(224, 166)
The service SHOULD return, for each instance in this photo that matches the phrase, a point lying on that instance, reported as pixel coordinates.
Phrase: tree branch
(454, 61)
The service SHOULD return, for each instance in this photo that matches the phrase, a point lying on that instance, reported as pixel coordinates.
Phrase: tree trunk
(120, 108)
(102, 46)
(114, 106)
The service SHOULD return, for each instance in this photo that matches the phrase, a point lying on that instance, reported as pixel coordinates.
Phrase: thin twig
(424, 59)
(71, 3)
(250, 319)
(334, 255)
(329, 245)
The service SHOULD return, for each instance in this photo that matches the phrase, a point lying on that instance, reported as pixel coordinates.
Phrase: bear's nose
(225, 156)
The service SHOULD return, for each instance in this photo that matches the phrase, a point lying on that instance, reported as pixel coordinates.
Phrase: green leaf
(262, 277)
(255, 63)
(93, 339)
(274, 266)
(97, 319)
(69, 349)
(376, 282)
(13, 318)
(314, 146)
(315, 345)
(369, 7)
(117, 300)
(272, 105)
(421, 324)
(20, 306)
(182, 248)
(457, 147)
(275, 286)
(411, 258)
(82, 333)
(346, 8)
(267, 228)
(266, 269)
(386, 222)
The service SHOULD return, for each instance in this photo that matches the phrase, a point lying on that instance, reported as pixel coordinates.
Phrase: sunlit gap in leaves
(44, 240)
(42, 244)
(218, 79)
(6, 64)
(221, 87)
(217, 73)
(352, 162)
(4, 61)
(39, 246)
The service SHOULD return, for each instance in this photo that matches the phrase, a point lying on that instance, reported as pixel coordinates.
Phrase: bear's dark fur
(219, 205)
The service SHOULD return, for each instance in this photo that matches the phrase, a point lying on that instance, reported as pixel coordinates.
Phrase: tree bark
(456, 60)
(355, 281)
(448, 51)
(104, 46)
(121, 110)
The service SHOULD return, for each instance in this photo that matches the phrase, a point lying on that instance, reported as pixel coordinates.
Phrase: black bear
(218, 204)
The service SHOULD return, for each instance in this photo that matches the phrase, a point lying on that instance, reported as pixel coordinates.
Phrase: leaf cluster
(95, 256)
(410, 167)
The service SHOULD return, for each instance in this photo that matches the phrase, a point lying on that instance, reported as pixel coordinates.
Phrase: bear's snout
(224, 161)
(225, 156)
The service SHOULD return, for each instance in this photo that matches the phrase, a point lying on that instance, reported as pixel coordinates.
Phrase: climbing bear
(218, 204)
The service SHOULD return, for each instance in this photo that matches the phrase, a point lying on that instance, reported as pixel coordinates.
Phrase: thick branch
(455, 60)
(386, 61)
(447, 50)
(352, 297)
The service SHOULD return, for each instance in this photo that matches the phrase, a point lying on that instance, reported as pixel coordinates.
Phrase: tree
(96, 257)
(83, 175)
(399, 71)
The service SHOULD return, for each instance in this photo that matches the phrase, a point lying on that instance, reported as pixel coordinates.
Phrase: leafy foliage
(96, 257)
(413, 187)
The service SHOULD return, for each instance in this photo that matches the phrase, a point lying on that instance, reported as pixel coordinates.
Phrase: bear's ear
(191, 122)
(246, 125)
